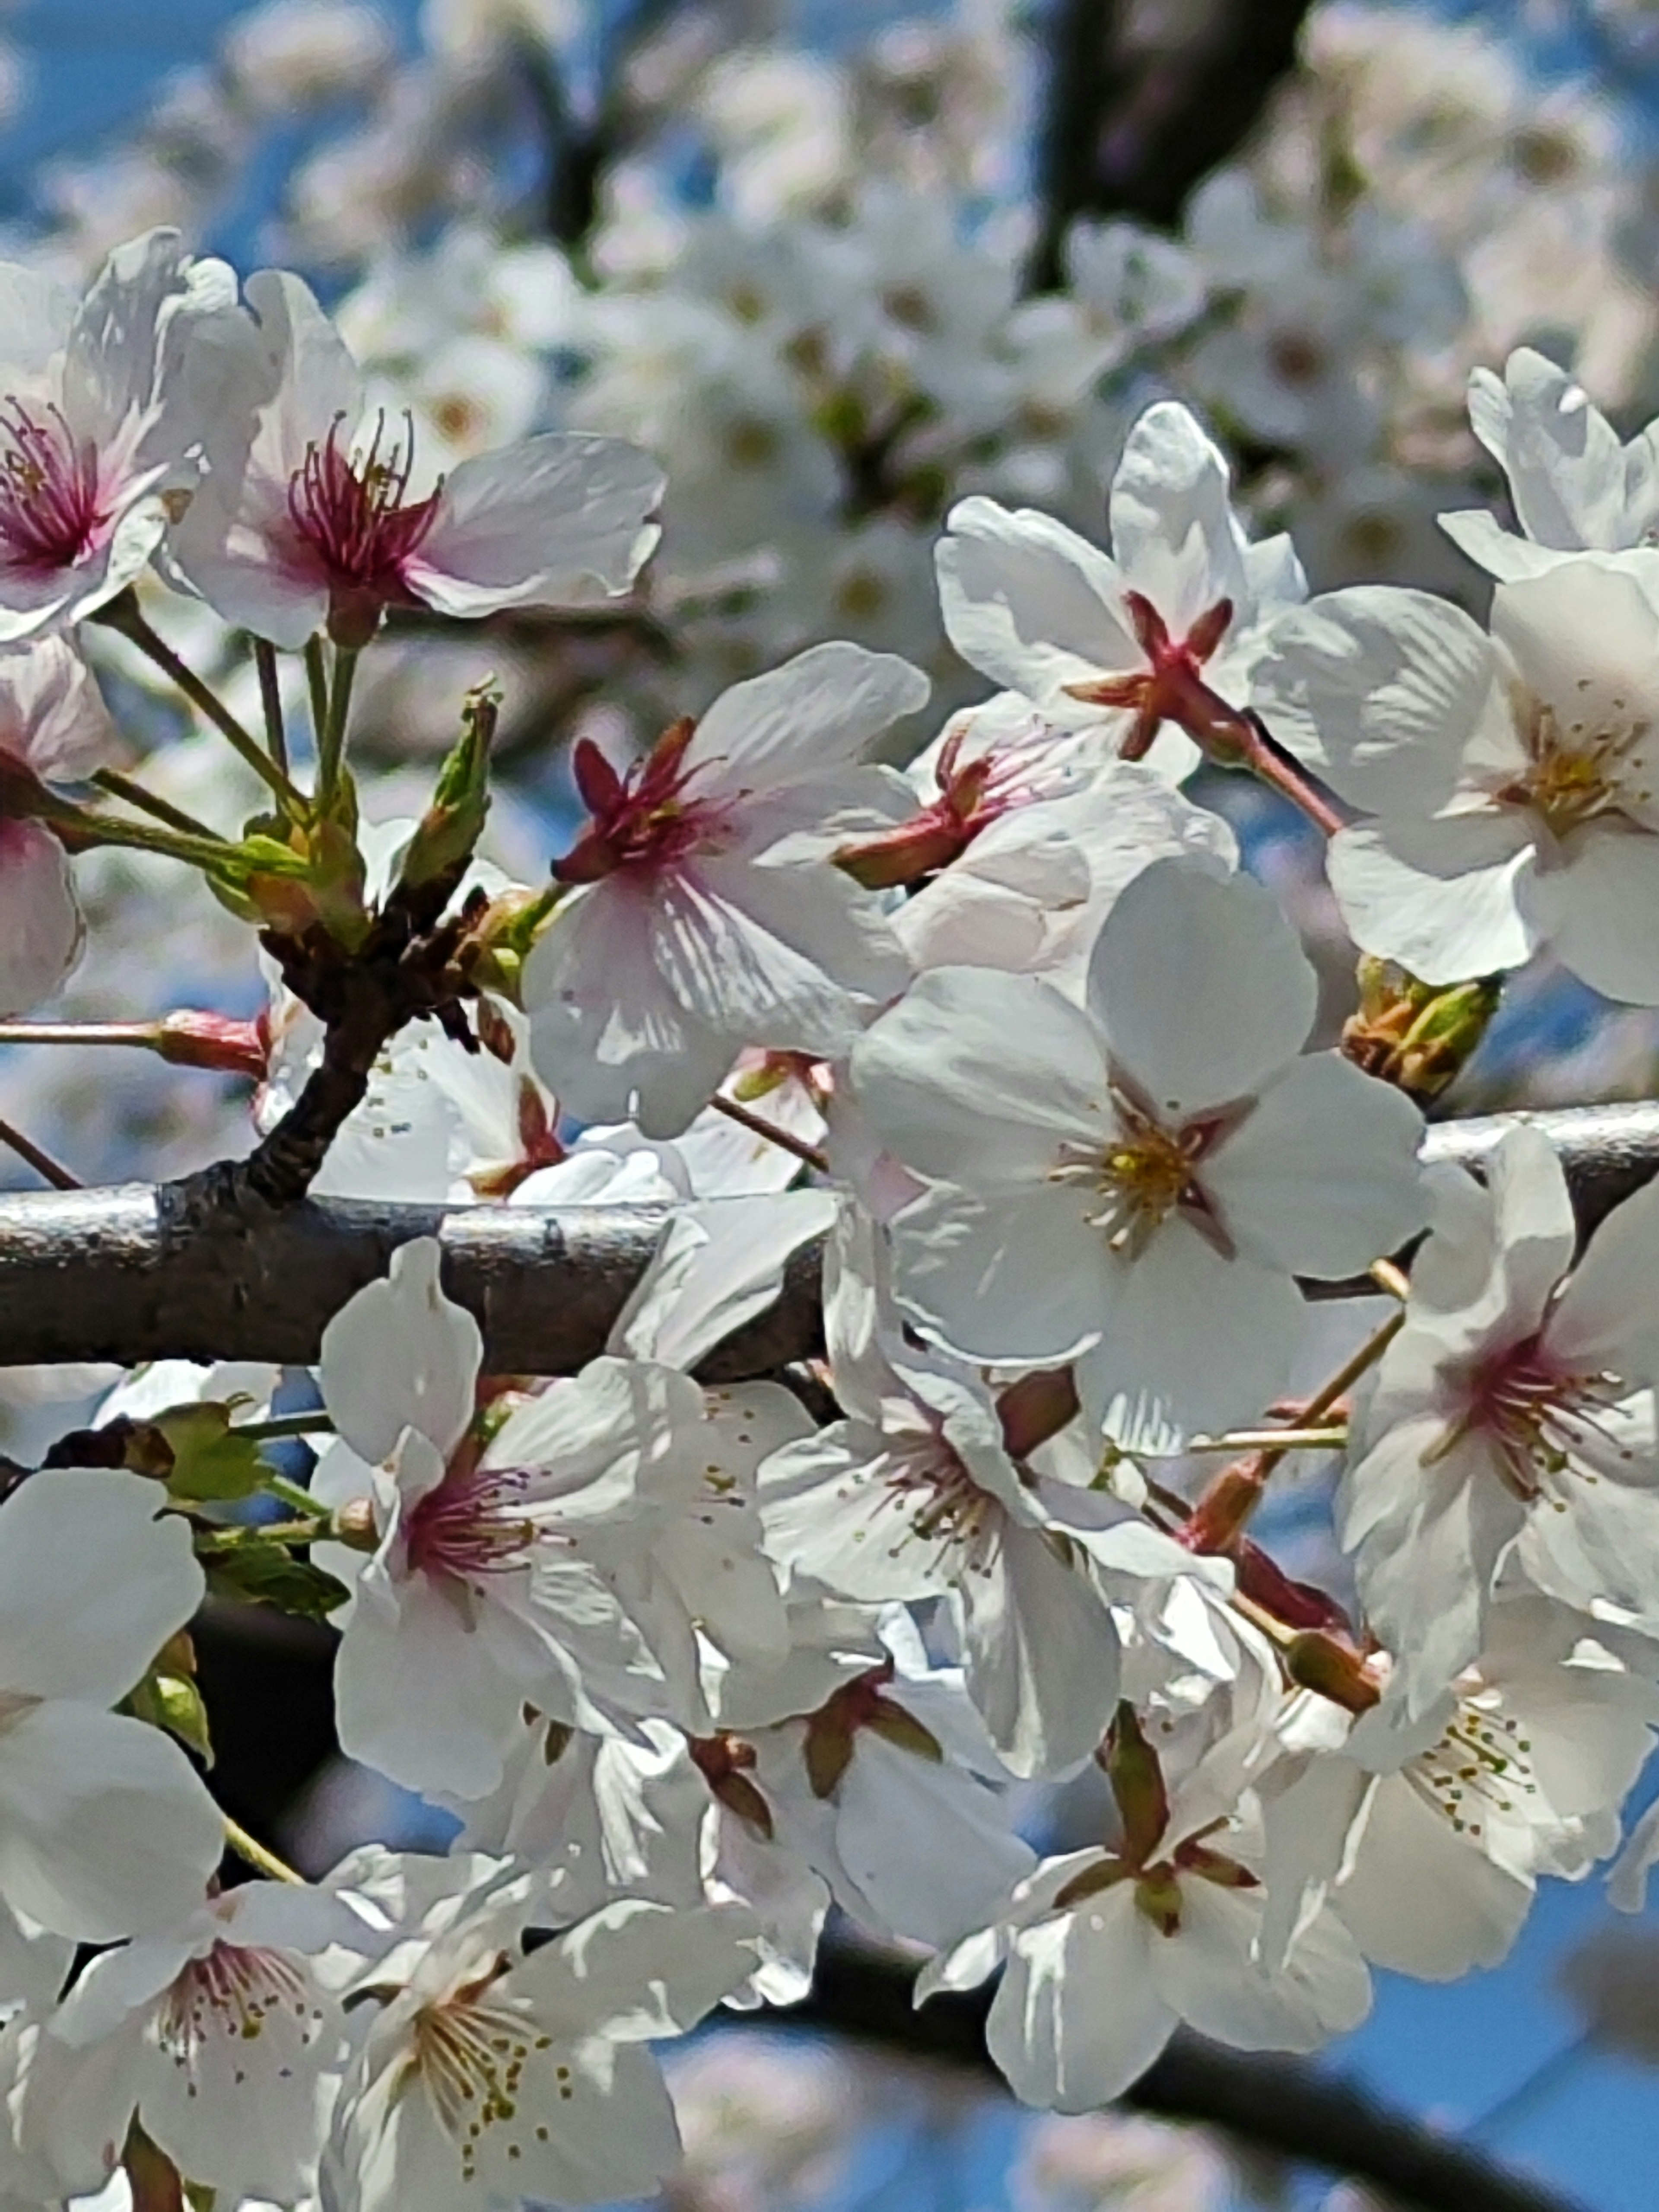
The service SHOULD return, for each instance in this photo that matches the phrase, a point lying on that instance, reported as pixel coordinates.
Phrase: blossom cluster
(980, 1000)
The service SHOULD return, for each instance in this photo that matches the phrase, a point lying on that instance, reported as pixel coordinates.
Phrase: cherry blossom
(101, 424)
(1165, 629)
(704, 917)
(317, 511)
(1576, 487)
(488, 2076)
(1428, 1837)
(1105, 1950)
(218, 2034)
(1520, 1390)
(1106, 1184)
(1508, 775)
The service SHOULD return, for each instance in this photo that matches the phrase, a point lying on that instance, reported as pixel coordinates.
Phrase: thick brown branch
(1283, 2105)
(139, 1273)
(1131, 134)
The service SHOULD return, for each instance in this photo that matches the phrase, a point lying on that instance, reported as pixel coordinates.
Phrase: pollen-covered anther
(231, 1992)
(470, 2058)
(1576, 773)
(1147, 1172)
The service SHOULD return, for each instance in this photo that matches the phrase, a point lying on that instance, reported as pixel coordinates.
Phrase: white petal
(1322, 1177)
(400, 1355)
(1447, 899)
(1208, 1974)
(1599, 914)
(1174, 532)
(980, 1077)
(91, 1582)
(422, 1696)
(1190, 1339)
(1497, 550)
(1032, 605)
(1424, 1900)
(1019, 1276)
(1605, 1321)
(41, 931)
(1078, 2016)
(818, 712)
(1380, 690)
(1040, 1652)
(1201, 986)
(557, 521)
(105, 1830)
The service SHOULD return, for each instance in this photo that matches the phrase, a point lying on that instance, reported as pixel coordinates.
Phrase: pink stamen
(231, 1993)
(471, 1526)
(642, 817)
(356, 520)
(52, 510)
(1534, 1415)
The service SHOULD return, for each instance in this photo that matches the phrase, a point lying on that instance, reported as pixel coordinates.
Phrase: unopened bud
(353, 1526)
(1416, 1036)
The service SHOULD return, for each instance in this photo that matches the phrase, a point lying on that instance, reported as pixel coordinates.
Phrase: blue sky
(1449, 2053)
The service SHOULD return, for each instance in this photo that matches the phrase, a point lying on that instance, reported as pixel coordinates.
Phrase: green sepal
(261, 1571)
(210, 1460)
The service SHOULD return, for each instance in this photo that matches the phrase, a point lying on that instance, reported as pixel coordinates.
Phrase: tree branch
(1131, 134)
(178, 1271)
(1272, 2103)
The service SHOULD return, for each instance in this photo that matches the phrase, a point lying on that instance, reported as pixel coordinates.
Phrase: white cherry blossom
(488, 2076)
(1520, 1390)
(706, 916)
(1112, 1184)
(1165, 629)
(1509, 776)
(319, 510)
(1105, 1950)
(101, 424)
(1575, 485)
(1428, 1837)
(218, 2034)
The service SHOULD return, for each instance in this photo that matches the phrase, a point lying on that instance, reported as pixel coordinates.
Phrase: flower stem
(288, 1425)
(270, 700)
(146, 1034)
(1271, 765)
(148, 802)
(249, 1848)
(758, 1127)
(294, 1494)
(126, 617)
(1297, 1439)
(332, 751)
(316, 684)
(43, 1163)
(80, 831)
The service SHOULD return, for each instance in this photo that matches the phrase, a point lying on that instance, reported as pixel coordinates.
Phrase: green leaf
(261, 1571)
(210, 1458)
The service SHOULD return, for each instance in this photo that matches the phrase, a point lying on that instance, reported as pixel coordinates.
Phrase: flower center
(1577, 775)
(1147, 1173)
(646, 816)
(1482, 1765)
(1537, 1420)
(471, 2055)
(941, 1505)
(1171, 686)
(470, 1525)
(354, 516)
(232, 1994)
(51, 511)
